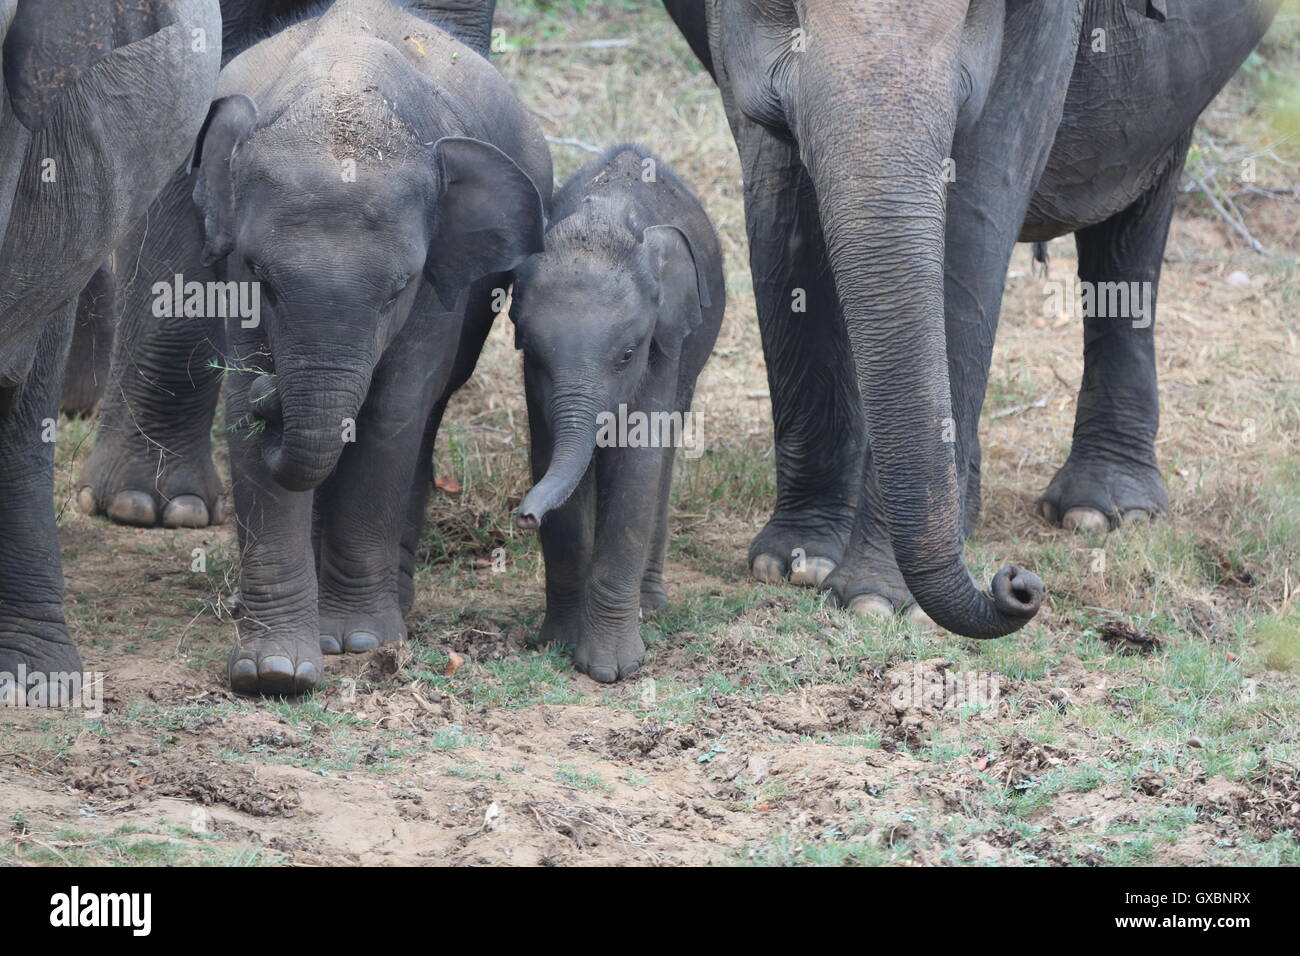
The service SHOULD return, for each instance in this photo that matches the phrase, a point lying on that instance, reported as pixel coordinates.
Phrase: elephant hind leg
(152, 460)
(1111, 475)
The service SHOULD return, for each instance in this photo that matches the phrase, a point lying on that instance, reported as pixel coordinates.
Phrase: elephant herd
(320, 205)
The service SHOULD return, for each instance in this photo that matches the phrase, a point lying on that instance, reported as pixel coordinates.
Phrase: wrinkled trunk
(573, 430)
(310, 416)
(875, 115)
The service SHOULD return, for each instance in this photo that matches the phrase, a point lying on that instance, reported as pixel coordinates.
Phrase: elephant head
(341, 252)
(872, 92)
(597, 315)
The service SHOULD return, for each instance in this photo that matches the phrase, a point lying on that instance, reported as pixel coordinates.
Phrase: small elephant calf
(616, 318)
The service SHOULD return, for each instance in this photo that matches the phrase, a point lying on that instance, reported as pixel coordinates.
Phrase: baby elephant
(616, 317)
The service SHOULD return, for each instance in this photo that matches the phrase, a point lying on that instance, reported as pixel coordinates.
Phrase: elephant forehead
(347, 124)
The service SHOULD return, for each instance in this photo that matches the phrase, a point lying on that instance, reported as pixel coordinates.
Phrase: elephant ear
(229, 123)
(490, 217)
(683, 290)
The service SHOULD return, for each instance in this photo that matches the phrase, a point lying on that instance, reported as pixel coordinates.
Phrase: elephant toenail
(133, 508)
(1137, 516)
(769, 569)
(871, 605)
(1085, 520)
(243, 676)
(306, 677)
(358, 642)
(920, 618)
(811, 572)
(185, 511)
(277, 667)
(329, 644)
(628, 671)
(219, 511)
(86, 500)
(602, 674)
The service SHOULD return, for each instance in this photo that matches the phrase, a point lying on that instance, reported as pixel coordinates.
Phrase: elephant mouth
(267, 425)
(267, 412)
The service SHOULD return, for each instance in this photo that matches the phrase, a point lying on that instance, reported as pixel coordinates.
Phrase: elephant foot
(654, 595)
(28, 655)
(133, 481)
(358, 633)
(803, 547)
(275, 665)
(1091, 496)
(560, 628)
(609, 655)
(869, 585)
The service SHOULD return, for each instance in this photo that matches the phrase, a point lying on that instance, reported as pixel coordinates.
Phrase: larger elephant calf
(375, 179)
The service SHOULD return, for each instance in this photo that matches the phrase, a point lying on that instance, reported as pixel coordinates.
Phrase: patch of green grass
(831, 848)
(526, 680)
(587, 782)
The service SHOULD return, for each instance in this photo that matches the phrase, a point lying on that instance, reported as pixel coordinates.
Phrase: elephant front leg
(567, 536)
(1111, 475)
(817, 416)
(33, 633)
(279, 646)
(628, 481)
(365, 505)
(152, 460)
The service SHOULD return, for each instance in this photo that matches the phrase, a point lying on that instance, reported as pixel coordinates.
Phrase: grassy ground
(1150, 714)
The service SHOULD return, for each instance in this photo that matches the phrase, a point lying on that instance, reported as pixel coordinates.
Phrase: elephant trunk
(573, 428)
(877, 163)
(310, 415)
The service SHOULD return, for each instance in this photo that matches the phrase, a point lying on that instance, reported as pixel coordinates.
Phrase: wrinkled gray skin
(101, 102)
(368, 318)
(622, 309)
(843, 147)
(86, 372)
(151, 463)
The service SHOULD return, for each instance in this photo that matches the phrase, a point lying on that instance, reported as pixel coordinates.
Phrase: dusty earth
(1149, 715)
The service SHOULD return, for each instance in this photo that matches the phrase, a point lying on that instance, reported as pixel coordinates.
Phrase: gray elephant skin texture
(893, 154)
(376, 181)
(615, 320)
(101, 103)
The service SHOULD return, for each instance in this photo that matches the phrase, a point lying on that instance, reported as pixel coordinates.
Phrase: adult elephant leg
(152, 460)
(480, 312)
(86, 373)
(816, 412)
(33, 632)
(279, 644)
(366, 506)
(999, 150)
(1111, 475)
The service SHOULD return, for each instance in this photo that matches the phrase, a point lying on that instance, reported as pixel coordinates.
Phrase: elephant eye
(397, 295)
(627, 355)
